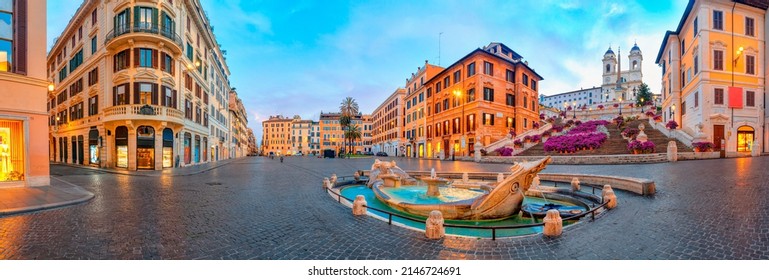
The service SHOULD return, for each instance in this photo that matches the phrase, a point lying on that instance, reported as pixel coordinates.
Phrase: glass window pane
(5, 55)
(6, 5)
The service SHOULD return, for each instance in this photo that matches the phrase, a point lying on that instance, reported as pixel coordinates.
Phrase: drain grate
(214, 184)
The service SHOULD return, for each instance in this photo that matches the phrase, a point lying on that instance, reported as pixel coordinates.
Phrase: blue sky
(302, 57)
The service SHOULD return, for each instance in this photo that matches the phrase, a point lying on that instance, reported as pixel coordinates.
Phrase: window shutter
(137, 53)
(136, 93)
(173, 67)
(96, 105)
(163, 61)
(163, 26)
(174, 100)
(114, 96)
(163, 95)
(154, 19)
(20, 36)
(136, 16)
(155, 59)
(154, 94)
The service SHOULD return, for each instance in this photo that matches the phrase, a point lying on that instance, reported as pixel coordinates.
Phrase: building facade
(315, 138)
(485, 94)
(253, 149)
(238, 126)
(575, 99)
(414, 121)
(134, 84)
(332, 133)
(619, 85)
(276, 135)
(714, 74)
(301, 137)
(387, 131)
(23, 86)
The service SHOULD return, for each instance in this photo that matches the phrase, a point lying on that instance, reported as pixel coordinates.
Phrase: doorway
(145, 148)
(745, 138)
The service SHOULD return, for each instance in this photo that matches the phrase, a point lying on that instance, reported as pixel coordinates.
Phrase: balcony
(143, 112)
(148, 30)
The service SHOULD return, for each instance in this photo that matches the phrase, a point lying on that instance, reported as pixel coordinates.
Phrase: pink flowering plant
(650, 113)
(541, 116)
(518, 143)
(600, 107)
(581, 137)
(535, 125)
(671, 125)
(639, 147)
(512, 133)
(630, 132)
(505, 151)
(703, 146)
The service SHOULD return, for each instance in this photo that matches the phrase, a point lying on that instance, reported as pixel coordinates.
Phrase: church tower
(634, 74)
(609, 73)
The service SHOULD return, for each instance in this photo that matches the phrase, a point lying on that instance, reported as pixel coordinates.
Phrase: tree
(353, 133)
(348, 109)
(644, 95)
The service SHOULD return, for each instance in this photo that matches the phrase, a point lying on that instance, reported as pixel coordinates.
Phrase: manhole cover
(214, 184)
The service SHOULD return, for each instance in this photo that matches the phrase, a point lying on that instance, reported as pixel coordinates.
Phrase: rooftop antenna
(439, 48)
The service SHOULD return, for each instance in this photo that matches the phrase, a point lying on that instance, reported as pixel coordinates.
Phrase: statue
(641, 137)
(359, 205)
(465, 178)
(535, 182)
(326, 183)
(434, 225)
(553, 223)
(333, 179)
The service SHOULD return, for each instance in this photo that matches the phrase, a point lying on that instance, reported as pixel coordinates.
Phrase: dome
(609, 52)
(635, 48)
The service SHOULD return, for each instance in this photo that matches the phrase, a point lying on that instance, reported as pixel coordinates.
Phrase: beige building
(23, 86)
(238, 127)
(301, 138)
(134, 83)
(276, 135)
(387, 126)
(252, 147)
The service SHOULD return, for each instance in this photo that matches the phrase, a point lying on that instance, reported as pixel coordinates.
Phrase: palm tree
(353, 133)
(348, 109)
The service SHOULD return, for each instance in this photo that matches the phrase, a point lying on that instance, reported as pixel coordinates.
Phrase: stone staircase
(615, 144)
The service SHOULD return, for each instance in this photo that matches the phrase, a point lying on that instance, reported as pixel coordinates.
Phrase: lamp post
(458, 94)
(620, 106)
(574, 109)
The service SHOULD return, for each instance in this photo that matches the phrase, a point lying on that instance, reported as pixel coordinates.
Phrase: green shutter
(136, 16)
(163, 22)
(154, 18)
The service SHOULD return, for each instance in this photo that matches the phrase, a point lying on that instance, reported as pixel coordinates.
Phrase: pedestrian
(281, 159)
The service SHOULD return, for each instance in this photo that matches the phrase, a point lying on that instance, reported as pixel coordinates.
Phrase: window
(122, 22)
(750, 99)
(169, 26)
(696, 99)
(470, 70)
(120, 96)
(147, 18)
(718, 60)
(121, 60)
(167, 64)
(76, 111)
(6, 35)
(76, 87)
(455, 103)
(510, 76)
(93, 45)
(696, 65)
(63, 74)
(470, 95)
(488, 119)
(446, 81)
(455, 128)
(488, 94)
(718, 96)
(190, 52)
(470, 122)
(457, 76)
(510, 100)
(145, 94)
(510, 123)
(93, 105)
(437, 87)
(750, 65)
(525, 100)
(533, 85)
(718, 20)
(93, 17)
(525, 79)
(750, 26)
(696, 23)
(76, 61)
(445, 104)
(525, 123)
(683, 46)
(488, 68)
(145, 57)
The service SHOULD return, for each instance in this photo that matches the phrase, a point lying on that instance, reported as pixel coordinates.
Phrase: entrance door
(74, 150)
(446, 148)
(718, 135)
(745, 139)
(80, 149)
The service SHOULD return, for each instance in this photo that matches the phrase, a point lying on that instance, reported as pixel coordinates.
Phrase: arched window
(745, 138)
(635, 64)
(608, 68)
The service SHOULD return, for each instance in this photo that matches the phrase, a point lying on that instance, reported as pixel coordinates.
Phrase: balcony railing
(139, 111)
(142, 27)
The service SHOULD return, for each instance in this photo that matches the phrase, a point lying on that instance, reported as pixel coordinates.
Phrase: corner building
(714, 74)
(134, 82)
(485, 94)
(23, 116)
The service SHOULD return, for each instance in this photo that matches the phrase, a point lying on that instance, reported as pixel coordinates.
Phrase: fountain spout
(432, 173)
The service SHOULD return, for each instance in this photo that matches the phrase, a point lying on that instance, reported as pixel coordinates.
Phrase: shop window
(12, 158)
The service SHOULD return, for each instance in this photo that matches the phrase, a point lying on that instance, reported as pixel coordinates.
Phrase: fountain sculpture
(501, 201)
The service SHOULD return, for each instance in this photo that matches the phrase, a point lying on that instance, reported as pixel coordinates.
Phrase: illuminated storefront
(745, 138)
(12, 159)
(121, 144)
(168, 148)
(145, 148)
(187, 148)
(93, 146)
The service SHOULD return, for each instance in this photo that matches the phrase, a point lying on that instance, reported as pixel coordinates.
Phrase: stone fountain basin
(454, 203)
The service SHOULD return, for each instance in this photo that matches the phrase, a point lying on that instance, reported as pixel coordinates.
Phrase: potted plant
(527, 139)
(517, 143)
(649, 114)
(658, 118)
(536, 138)
(505, 151)
(638, 147)
(541, 116)
(703, 146)
(672, 125)
(535, 125)
(600, 107)
(630, 133)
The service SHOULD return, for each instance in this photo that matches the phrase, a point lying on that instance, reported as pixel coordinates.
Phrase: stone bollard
(326, 183)
(500, 177)
(672, 151)
(359, 205)
(575, 184)
(553, 223)
(434, 225)
(333, 179)
(607, 193)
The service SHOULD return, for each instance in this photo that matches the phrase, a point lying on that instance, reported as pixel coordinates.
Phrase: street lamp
(574, 109)
(620, 106)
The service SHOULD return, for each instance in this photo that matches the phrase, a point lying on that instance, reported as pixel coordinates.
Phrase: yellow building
(134, 80)
(332, 134)
(23, 86)
(276, 135)
(386, 125)
(416, 103)
(713, 68)
(301, 137)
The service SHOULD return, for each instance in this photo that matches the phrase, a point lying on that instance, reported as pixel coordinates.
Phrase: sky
(302, 57)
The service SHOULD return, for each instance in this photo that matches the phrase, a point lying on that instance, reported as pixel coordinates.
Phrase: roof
(570, 92)
(486, 52)
(761, 4)
(609, 51)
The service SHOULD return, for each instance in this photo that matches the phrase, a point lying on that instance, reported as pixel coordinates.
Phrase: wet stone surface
(262, 209)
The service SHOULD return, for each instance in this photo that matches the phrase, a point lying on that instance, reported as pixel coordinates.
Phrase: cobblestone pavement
(257, 208)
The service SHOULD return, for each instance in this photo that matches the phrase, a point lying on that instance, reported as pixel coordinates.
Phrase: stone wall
(636, 185)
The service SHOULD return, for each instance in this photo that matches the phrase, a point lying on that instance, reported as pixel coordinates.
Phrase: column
(131, 148)
(159, 147)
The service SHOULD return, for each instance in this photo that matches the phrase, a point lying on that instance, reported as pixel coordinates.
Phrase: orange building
(23, 116)
(416, 104)
(484, 94)
(332, 134)
(386, 130)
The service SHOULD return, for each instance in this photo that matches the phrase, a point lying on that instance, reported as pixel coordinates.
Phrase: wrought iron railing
(144, 28)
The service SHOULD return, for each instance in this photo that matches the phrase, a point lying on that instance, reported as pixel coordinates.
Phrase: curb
(20, 210)
(144, 175)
